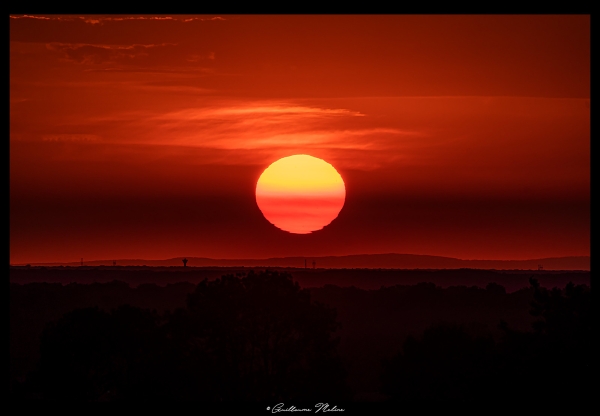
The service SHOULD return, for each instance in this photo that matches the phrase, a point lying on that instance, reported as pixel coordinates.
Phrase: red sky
(144, 136)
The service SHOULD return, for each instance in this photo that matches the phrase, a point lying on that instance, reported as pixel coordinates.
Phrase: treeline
(370, 279)
(260, 337)
(549, 364)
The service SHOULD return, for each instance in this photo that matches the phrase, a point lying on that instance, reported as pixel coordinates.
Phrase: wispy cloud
(98, 20)
(200, 57)
(71, 138)
(269, 128)
(259, 111)
(26, 16)
(98, 53)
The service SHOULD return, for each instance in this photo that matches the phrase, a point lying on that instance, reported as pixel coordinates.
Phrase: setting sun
(300, 193)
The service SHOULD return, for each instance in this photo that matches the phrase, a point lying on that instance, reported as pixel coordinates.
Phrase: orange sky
(144, 136)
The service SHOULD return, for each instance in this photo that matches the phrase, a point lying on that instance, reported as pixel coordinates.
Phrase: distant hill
(359, 261)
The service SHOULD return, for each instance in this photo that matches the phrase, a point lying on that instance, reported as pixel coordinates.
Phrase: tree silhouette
(184, 262)
(254, 337)
(92, 355)
(552, 361)
(446, 363)
(555, 357)
(266, 338)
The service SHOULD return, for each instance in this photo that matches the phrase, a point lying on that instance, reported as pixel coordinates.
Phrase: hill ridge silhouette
(366, 261)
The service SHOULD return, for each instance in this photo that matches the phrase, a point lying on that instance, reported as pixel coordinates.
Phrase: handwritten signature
(319, 407)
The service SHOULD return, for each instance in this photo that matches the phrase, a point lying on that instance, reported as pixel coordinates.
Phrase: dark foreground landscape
(299, 335)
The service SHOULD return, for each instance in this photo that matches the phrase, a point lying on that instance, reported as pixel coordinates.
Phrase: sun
(300, 193)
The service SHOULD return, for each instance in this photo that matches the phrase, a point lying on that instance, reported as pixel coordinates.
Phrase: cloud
(230, 125)
(195, 57)
(71, 138)
(25, 16)
(98, 20)
(275, 128)
(97, 53)
(261, 111)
